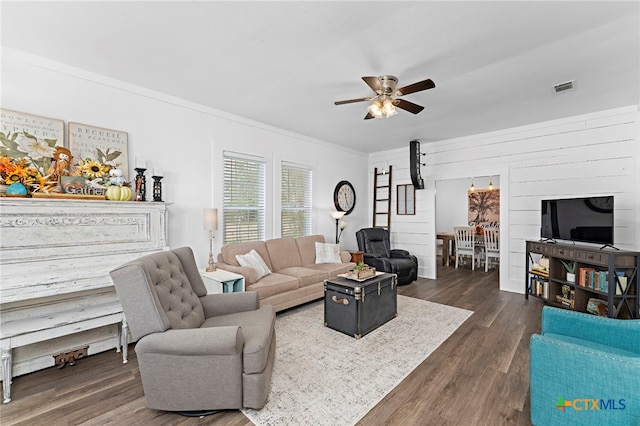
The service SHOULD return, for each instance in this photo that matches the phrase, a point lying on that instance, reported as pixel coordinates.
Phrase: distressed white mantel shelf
(55, 258)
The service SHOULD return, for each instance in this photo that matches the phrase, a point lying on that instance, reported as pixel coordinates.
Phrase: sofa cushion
(254, 261)
(258, 328)
(307, 248)
(274, 283)
(327, 253)
(306, 276)
(228, 252)
(332, 269)
(283, 253)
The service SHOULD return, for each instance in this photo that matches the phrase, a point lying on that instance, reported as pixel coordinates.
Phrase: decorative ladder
(382, 198)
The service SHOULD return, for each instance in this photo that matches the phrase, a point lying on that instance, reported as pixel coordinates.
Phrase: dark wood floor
(479, 376)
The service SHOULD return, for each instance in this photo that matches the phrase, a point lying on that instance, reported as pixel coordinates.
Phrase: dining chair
(491, 245)
(465, 243)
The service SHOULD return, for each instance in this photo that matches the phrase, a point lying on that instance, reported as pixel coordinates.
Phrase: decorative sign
(79, 185)
(106, 146)
(30, 136)
(40, 127)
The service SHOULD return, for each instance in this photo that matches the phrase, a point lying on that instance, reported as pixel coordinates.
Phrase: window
(295, 201)
(243, 203)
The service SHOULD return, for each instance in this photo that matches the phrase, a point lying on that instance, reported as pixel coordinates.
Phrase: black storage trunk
(356, 308)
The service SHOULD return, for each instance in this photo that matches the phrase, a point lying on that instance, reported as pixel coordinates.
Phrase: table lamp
(211, 224)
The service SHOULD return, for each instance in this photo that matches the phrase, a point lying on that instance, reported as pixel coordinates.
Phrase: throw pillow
(255, 262)
(327, 253)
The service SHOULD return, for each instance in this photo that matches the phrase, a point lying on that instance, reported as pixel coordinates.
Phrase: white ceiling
(285, 63)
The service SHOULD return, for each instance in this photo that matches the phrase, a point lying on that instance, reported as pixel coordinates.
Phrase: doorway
(452, 209)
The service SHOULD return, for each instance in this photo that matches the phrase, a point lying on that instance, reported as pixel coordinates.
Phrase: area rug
(324, 377)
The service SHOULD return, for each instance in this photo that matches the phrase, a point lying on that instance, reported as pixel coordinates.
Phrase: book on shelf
(540, 271)
(591, 278)
(565, 301)
(539, 286)
(620, 283)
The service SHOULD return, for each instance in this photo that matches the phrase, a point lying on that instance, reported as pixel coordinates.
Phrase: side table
(357, 256)
(220, 281)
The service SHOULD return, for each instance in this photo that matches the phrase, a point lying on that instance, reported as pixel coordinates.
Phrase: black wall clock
(344, 197)
(600, 204)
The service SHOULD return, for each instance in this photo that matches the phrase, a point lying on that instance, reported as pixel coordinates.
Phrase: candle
(140, 163)
(157, 172)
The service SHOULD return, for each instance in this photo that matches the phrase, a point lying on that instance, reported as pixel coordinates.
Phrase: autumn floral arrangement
(29, 166)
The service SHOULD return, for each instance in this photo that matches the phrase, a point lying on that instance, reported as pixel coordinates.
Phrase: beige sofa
(295, 277)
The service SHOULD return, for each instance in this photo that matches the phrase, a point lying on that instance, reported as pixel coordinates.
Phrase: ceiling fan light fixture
(375, 109)
(388, 108)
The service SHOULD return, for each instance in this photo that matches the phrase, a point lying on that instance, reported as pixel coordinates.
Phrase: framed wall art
(30, 136)
(406, 199)
(484, 206)
(106, 146)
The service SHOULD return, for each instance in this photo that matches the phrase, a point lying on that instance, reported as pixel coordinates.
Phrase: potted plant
(571, 270)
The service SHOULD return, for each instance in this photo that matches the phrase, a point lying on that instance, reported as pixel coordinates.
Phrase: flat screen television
(588, 219)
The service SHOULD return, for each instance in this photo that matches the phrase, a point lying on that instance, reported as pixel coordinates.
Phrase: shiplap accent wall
(592, 154)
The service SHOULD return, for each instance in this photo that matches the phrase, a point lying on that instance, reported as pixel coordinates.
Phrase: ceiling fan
(386, 100)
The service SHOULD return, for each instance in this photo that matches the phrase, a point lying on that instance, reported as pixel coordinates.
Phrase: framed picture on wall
(109, 147)
(484, 206)
(29, 136)
(406, 199)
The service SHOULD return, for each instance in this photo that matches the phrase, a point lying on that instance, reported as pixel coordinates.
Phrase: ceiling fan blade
(349, 101)
(416, 87)
(374, 83)
(408, 106)
(369, 116)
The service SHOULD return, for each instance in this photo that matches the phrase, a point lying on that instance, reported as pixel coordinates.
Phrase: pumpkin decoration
(118, 193)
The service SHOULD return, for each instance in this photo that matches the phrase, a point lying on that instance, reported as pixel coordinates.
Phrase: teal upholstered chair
(585, 370)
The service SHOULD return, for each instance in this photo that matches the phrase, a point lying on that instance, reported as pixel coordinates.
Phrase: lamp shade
(337, 215)
(210, 219)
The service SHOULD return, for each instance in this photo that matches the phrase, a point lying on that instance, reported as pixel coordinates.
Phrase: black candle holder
(157, 188)
(141, 185)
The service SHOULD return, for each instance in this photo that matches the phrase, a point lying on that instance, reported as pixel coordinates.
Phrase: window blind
(295, 201)
(243, 200)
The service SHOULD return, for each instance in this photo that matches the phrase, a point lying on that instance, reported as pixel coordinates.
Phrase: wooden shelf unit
(602, 269)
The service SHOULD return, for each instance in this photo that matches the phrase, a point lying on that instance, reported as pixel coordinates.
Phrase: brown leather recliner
(197, 352)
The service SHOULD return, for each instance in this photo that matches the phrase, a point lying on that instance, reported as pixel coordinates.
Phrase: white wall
(186, 141)
(592, 154)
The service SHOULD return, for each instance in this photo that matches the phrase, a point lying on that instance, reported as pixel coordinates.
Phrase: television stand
(601, 279)
(609, 245)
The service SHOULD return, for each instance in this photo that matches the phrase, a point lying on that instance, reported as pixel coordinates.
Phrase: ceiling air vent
(564, 87)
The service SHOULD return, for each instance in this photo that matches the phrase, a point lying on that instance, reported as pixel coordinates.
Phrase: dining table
(449, 246)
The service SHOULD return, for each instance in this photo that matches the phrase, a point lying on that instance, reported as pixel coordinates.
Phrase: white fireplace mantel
(55, 258)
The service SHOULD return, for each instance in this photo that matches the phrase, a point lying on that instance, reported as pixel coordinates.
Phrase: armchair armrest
(399, 253)
(229, 303)
(381, 264)
(249, 274)
(621, 334)
(227, 340)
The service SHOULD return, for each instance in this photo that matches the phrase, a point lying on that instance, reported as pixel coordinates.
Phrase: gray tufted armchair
(196, 351)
